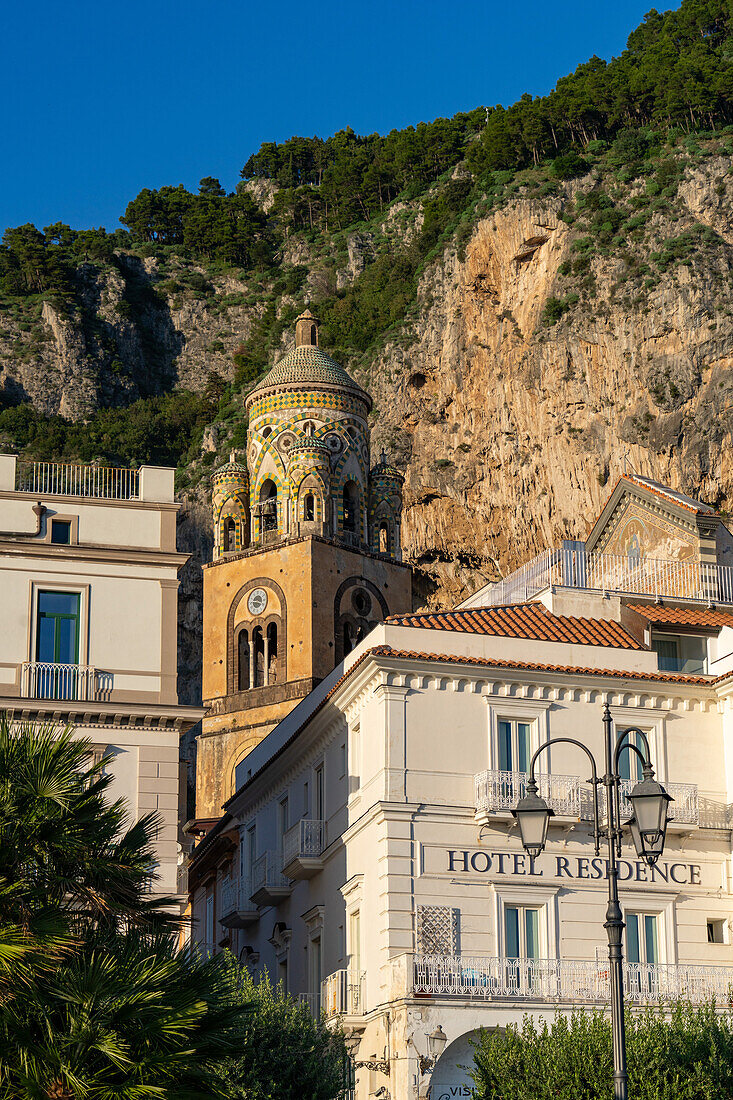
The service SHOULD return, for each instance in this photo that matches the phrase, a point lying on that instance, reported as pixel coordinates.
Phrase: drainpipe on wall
(39, 511)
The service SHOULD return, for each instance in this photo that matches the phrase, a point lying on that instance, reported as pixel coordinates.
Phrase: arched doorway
(451, 1080)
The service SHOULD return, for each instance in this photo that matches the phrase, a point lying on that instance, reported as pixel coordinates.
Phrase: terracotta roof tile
(531, 620)
(684, 616)
(531, 666)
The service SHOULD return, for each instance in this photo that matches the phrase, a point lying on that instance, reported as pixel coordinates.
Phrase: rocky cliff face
(513, 431)
(511, 419)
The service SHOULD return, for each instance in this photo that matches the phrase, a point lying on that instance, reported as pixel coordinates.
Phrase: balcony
(71, 683)
(236, 909)
(497, 792)
(342, 994)
(61, 479)
(576, 568)
(557, 981)
(303, 845)
(269, 885)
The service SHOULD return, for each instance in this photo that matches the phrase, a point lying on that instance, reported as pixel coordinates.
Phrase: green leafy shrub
(686, 1056)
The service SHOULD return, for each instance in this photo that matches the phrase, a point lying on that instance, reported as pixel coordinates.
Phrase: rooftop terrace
(46, 479)
(612, 573)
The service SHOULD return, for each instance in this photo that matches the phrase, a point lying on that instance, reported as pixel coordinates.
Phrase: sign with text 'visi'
(492, 865)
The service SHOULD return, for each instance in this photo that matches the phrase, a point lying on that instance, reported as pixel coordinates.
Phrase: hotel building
(368, 858)
(88, 574)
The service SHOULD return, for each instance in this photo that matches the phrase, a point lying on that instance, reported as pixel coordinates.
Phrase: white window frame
(536, 715)
(543, 898)
(654, 725)
(72, 585)
(661, 906)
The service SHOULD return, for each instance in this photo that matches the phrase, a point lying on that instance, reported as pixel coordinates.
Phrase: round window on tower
(362, 602)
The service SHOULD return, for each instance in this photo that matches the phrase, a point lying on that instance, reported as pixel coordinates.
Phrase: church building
(307, 556)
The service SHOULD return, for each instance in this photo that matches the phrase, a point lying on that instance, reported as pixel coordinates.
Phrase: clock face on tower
(257, 601)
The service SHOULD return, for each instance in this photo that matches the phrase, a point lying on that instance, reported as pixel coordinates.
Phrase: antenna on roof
(628, 468)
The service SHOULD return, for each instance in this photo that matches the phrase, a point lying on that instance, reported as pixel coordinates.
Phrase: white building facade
(369, 859)
(88, 574)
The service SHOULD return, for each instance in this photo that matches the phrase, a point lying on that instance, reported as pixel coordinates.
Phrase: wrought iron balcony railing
(62, 479)
(304, 840)
(499, 792)
(566, 980)
(75, 683)
(342, 994)
(268, 884)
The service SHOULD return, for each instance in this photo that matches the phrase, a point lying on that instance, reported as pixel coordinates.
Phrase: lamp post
(648, 827)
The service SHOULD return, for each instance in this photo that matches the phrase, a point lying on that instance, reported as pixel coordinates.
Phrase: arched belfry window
(309, 508)
(314, 335)
(351, 506)
(258, 653)
(243, 661)
(268, 506)
(271, 653)
(229, 537)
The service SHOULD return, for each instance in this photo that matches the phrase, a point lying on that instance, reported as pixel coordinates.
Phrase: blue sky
(104, 98)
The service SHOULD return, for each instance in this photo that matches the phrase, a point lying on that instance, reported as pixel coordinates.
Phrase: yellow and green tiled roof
(307, 364)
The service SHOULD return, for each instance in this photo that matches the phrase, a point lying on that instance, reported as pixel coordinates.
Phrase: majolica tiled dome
(307, 363)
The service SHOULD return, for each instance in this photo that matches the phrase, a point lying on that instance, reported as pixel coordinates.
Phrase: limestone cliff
(521, 385)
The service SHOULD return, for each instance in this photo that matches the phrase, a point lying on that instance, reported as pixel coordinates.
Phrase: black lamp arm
(622, 744)
(594, 777)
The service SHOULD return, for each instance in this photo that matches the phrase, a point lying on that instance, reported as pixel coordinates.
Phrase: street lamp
(436, 1045)
(648, 827)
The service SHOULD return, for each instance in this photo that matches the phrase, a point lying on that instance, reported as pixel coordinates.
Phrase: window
(243, 658)
(309, 508)
(282, 813)
(306, 800)
(630, 765)
(268, 506)
(209, 923)
(351, 506)
(683, 653)
(229, 536)
(521, 944)
(58, 627)
(258, 647)
(716, 931)
(61, 531)
(514, 746)
(271, 670)
(355, 942)
(318, 809)
(642, 938)
(314, 976)
(521, 932)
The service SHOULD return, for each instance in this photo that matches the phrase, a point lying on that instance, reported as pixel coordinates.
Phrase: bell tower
(307, 556)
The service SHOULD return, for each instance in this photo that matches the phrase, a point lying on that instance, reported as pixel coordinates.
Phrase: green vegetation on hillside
(411, 192)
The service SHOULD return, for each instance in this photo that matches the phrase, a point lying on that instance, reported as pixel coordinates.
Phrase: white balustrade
(501, 790)
(62, 479)
(342, 994)
(43, 680)
(303, 840)
(266, 873)
(569, 980)
(651, 577)
(684, 809)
